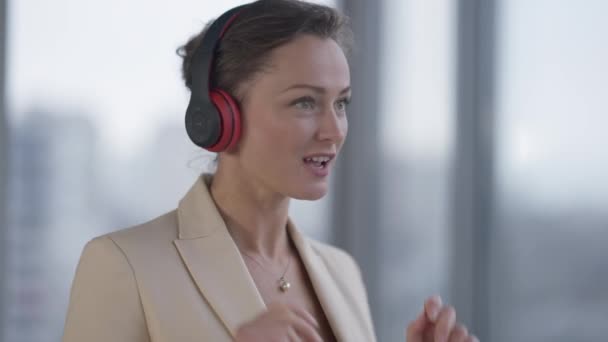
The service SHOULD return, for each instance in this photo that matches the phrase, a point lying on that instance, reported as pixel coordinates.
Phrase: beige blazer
(181, 278)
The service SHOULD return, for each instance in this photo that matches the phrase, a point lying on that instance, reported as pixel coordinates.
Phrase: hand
(437, 323)
(280, 323)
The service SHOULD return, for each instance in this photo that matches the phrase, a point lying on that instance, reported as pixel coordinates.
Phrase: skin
(295, 108)
(281, 125)
(437, 323)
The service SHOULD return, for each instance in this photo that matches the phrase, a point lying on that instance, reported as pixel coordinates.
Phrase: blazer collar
(330, 296)
(217, 267)
(197, 213)
(213, 259)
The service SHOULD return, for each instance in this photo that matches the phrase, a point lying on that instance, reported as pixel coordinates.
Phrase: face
(294, 118)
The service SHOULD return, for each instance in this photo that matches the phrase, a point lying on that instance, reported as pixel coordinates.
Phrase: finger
(472, 338)
(304, 330)
(306, 316)
(416, 328)
(445, 323)
(292, 335)
(459, 334)
(432, 306)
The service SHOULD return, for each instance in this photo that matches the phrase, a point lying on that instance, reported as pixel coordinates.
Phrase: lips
(319, 158)
(319, 163)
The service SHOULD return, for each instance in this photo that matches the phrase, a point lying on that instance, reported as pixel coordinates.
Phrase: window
(416, 113)
(95, 111)
(550, 262)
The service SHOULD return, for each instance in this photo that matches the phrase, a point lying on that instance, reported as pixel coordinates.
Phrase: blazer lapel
(213, 259)
(332, 299)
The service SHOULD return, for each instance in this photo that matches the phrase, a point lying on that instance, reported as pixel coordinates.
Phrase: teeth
(318, 159)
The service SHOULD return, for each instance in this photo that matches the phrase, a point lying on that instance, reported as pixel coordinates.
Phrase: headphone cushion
(230, 118)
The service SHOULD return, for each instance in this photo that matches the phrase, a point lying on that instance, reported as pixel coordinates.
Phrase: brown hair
(258, 29)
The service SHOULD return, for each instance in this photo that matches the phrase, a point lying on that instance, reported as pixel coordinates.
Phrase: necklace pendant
(284, 285)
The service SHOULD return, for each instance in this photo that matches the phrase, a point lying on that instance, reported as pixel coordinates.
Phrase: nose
(333, 126)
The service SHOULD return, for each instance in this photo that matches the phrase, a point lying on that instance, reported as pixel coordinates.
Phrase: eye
(304, 103)
(342, 104)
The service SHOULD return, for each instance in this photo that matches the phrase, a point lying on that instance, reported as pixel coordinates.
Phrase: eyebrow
(316, 89)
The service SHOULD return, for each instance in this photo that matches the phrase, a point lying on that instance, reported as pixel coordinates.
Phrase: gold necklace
(284, 285)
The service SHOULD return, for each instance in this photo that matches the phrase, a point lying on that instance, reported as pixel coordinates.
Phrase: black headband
(202, 59)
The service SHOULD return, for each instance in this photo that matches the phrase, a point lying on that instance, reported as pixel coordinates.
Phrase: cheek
(301, 131)
(289, 132)
(271, 131)
(271, 140)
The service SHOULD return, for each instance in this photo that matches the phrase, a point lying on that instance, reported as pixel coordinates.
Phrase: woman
(228, 264)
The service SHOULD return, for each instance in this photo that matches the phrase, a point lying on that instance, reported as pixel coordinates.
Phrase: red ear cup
(213, 119)
(236, 116)
(230, 117)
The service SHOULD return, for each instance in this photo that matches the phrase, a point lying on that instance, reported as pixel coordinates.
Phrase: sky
(111, 60)
(552, 103)
(114, 61)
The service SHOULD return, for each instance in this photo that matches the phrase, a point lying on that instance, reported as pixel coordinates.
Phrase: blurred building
(151, 181)
(474, 166)
(51, 209)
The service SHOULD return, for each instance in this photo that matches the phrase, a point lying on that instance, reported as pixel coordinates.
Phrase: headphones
(213, 118)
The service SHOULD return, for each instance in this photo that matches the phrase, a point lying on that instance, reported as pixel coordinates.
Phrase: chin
(310, 193)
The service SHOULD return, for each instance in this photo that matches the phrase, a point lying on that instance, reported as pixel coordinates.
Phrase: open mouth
(319, 162)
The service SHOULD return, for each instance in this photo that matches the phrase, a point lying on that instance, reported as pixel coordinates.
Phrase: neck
(255, 217)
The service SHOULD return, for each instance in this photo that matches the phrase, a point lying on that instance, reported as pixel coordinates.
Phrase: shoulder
(104, 291)
(144, 242)
(162, 227)
(161, 230)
